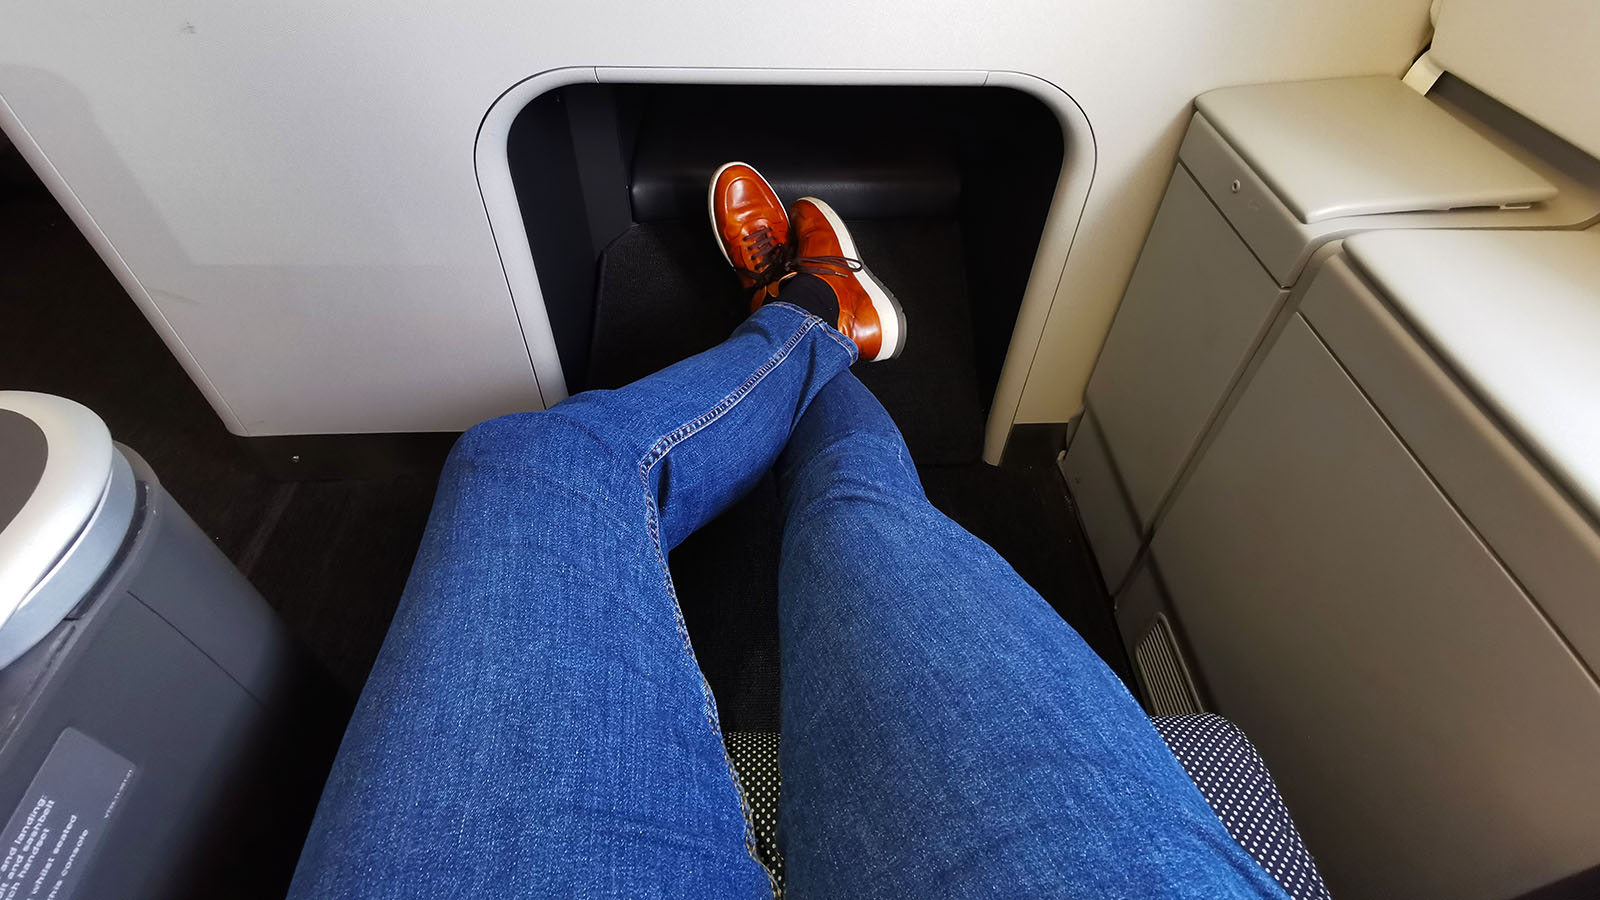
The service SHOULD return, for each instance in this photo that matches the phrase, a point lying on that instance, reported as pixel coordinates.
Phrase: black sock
(812, 294)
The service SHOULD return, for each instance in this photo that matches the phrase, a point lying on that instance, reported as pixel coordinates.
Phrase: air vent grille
(1167, 685)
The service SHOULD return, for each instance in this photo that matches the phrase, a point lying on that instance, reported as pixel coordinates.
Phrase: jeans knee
(488, 442)
(523, 440)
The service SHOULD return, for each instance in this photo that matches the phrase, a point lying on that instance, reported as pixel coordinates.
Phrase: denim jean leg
(536, 724)
(945, 733)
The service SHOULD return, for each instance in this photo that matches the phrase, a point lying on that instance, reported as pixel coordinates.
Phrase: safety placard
(63, 816)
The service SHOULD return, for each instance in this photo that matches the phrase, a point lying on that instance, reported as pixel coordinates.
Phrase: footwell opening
(946, 188)
(947, 191)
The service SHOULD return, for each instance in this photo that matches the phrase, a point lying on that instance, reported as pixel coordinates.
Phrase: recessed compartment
(946, 189)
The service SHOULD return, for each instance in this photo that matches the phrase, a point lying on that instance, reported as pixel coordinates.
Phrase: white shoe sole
(891, 315)
(711, 203)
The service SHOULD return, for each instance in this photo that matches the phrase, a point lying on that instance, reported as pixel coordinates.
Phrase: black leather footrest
(870, 153)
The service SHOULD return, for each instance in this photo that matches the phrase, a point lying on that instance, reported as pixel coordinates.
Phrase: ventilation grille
(1167, 685)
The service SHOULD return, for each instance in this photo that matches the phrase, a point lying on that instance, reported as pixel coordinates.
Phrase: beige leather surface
(1195, 309)
(1540, 57)
(1517, 315)
(1097, 491)
(1362, 146)
(1432, 735)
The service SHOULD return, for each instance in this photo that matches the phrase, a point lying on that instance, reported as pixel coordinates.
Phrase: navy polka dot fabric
(1215, 753)
(1234, 780)
(754, 755)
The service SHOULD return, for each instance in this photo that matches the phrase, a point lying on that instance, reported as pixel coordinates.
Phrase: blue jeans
(536, 724)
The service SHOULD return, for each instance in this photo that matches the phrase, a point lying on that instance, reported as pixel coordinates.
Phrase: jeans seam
(655, 454)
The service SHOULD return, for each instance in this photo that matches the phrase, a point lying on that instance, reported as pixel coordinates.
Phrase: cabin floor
(333, 556)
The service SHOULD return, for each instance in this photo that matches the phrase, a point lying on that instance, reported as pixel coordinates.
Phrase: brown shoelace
(773, 261)
(764, 252)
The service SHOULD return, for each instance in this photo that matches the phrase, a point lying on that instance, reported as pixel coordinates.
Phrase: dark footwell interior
(946, 192)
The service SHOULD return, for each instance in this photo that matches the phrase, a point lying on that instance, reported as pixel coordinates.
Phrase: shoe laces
(766, 254)
(826, 266)
(772, 261)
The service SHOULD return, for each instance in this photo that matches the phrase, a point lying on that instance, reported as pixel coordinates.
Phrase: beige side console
(1338, 462)
(1385, 563)
(1268, 177)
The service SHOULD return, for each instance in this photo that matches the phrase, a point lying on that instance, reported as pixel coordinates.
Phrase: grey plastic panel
(188, 751)
(1433, 736)
(1097, 491)
(1533, 526)
(1364, 146)
(190, 583)
(1196, 306)
(1159, 660)
(228, 763)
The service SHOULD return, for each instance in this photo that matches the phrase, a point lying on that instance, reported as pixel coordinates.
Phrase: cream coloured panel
(1097, 492)
(1195, 309)
(1537, 56)
(1363, 146)
(289, 188)
(1432, 735)
(1534, 526)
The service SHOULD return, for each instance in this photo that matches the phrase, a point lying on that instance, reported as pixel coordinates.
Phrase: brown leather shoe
(868, 314)
(751, 227)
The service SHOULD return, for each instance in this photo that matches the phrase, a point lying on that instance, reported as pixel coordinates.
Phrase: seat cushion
(1235, 782)
(1213, 751)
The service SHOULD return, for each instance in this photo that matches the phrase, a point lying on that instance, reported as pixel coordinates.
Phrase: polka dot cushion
(754, 755)
(1235, 781)
(1215, 753)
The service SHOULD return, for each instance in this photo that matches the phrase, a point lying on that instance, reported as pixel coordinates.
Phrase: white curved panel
(1049, 262)
(1061, 225)
(57, 185)
(505, 220)
(293, 184)
(77, 469)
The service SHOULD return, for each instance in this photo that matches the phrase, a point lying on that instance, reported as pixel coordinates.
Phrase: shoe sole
(711, 202)
(891, 315)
